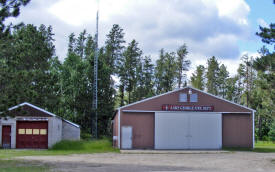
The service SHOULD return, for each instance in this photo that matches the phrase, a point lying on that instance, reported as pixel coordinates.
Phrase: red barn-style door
(6, 136)
(32, 134)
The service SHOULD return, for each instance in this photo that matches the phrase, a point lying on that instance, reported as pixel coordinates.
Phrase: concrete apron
(173, 151)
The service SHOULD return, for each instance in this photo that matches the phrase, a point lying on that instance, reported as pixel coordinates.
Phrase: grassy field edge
(260, 147)
(64, 147)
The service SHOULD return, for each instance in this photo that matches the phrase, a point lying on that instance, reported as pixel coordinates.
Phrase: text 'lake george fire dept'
(186, 108)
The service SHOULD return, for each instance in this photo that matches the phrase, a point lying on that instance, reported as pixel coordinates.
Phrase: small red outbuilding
(185, 118)
(31, 127)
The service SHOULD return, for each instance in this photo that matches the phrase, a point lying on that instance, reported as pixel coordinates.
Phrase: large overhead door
(32, 134)
(171, 130)
(174, 130)
(205, 131)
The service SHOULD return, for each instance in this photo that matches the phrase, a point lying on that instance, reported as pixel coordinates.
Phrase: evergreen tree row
(252, 86)
(31, 72)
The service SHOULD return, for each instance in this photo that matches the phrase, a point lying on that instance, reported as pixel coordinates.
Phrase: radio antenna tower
(95, 77)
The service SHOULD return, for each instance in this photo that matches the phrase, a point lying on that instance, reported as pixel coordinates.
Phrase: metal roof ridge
(178, 89)
(156, 96)
(224, 99)
(43, 110)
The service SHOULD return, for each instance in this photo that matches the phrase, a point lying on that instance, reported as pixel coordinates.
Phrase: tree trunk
(121, 87)
(179, 84)
(260, 128)
(129, 98)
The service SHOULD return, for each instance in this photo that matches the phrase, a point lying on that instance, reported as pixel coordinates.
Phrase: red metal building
(185, 118)
(32, 127)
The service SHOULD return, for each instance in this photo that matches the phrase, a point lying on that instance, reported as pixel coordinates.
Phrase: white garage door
(179, 130)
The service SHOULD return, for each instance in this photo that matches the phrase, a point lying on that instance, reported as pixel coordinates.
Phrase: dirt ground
(114, 162)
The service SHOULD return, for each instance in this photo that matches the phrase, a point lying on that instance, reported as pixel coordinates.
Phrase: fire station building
(185, 118)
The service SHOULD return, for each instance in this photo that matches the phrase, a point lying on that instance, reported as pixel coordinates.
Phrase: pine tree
(26, 61)
(114, 46)
(263, 92)
(222, 77)
(182, 64)
(267, 34)
(148, 77)
(131, 59)
(80, 44)
(9, 9)
(145, 75)
(106, 94)
(169, 72)
(89, 46)
(165, 72)
(246, 75)
(212, 75)
(197, 78)
(71, 45)
(159, 72)
(232, 89)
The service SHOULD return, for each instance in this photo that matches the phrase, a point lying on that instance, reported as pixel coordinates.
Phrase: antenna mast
(95, 77)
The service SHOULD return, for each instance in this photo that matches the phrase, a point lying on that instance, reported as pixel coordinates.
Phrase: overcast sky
(222, 28)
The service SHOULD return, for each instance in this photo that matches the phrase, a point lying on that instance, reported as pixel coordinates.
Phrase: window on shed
(43, 131)
(183, 97)
(21, 131)
(35, 131)
(194, 97)
(28, 131)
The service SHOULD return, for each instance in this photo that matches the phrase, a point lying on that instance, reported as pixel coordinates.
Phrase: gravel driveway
(235, 162)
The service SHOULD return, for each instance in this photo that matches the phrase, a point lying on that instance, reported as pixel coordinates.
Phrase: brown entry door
(6, 136)
(32, 134)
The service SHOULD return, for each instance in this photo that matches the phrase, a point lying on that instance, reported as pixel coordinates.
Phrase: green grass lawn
(63, 148)
(82, 147)
(260, 146)
(20, 166)
(264, 146)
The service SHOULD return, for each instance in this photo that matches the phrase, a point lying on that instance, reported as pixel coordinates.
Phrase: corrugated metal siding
(115, 130)
(143, 128)
(237, 130)
(173, 98)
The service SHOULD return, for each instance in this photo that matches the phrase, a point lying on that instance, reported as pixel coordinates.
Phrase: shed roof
(42, 110)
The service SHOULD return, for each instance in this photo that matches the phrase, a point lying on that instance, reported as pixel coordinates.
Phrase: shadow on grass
(264, 149)
(256, 149)
(260, 147)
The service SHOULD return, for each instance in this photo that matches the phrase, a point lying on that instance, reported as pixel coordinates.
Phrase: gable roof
(33, 106)
(42, 110)
(179, 89)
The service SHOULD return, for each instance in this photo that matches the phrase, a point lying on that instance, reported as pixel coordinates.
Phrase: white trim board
(33, 106)
(223, 99)
(71, 123)
(141, 111)
(118, 143)
(183, 89)
(253, 136)
(152, 97)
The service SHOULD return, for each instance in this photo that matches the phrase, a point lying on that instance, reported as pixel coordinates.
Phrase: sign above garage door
(187, 108)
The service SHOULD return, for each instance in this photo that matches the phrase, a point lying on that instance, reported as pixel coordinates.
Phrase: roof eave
(150, 98)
